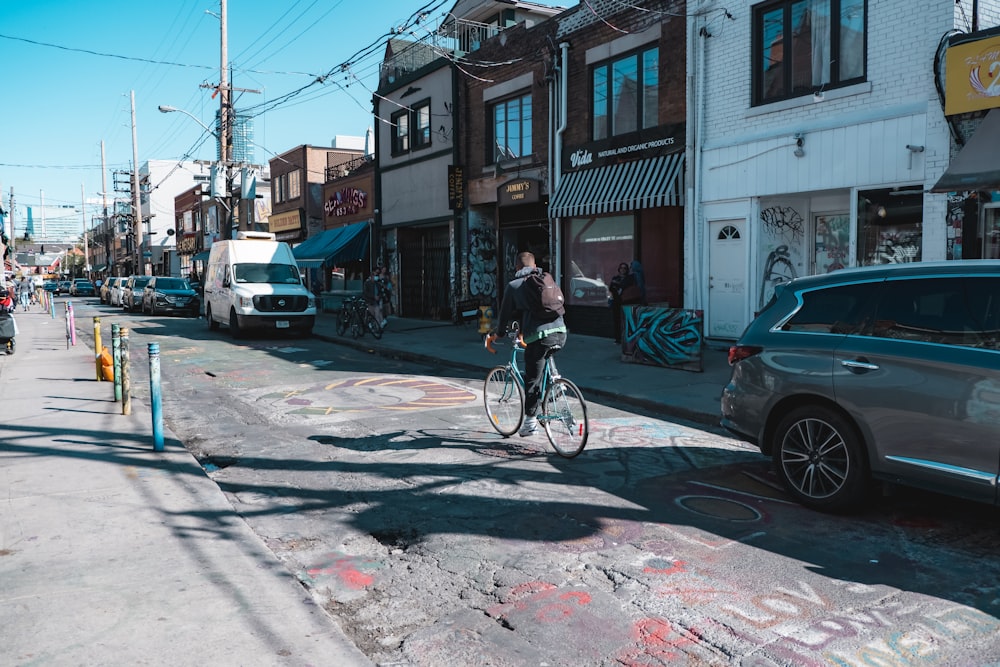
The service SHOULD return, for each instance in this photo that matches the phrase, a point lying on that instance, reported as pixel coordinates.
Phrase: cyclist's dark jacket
(516, 306)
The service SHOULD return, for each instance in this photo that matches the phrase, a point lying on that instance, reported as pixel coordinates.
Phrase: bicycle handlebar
(513, 334)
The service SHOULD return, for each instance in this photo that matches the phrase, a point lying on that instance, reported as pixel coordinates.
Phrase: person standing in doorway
(618, 284)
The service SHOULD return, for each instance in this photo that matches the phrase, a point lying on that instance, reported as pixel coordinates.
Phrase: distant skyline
(73, 66)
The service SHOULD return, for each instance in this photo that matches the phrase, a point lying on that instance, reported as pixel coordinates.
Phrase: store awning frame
(333, 246)
(626, 186)
(201, 256)
(976, 167)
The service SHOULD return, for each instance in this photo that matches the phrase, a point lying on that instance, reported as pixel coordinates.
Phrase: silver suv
(889, 373)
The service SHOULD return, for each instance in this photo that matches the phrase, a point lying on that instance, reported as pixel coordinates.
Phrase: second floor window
(422, 125)
(803, 46)
(625, 94)
(287, 186)
(511, 128)
(411, 128)
(400, 132)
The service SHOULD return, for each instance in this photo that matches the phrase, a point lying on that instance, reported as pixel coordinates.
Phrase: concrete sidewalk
(111, 553)
(593, 363)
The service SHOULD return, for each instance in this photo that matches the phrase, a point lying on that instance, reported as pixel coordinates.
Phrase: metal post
(97, 346)
(116, 353)
(70, 325)
(156, 399)
(126, 398)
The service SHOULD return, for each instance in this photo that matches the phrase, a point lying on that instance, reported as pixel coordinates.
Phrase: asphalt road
(432, 540)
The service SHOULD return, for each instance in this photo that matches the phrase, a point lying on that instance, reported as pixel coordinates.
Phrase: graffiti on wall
(483, 262)
(783, 230)
(670, 337)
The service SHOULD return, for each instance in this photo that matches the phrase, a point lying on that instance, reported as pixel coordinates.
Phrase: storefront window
(890, 226)
(595, 247)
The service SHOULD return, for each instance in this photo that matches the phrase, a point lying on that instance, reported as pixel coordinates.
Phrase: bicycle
(562, 413)
(355, 316)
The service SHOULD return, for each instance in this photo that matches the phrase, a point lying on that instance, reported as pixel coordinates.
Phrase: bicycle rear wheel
(373, 325)
(564, 416)
(504, 400)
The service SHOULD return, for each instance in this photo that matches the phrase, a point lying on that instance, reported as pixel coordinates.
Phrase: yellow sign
(972, 76)
(283, 222)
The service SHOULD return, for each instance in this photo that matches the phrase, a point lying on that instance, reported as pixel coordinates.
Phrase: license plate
(281, 324)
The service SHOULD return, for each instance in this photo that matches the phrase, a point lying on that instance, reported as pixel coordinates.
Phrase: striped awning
(627, 186)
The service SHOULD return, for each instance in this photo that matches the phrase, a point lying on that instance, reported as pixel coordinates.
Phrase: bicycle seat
(549, 351)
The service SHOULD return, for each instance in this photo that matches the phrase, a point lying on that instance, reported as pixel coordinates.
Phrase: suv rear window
(832, 310)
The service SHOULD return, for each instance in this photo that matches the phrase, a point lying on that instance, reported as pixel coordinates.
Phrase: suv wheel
(819, 457)
(212, 324)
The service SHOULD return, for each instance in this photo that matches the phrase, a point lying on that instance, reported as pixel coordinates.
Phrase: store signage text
(347, 201)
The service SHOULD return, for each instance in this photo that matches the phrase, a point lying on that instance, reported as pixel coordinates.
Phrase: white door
(727, 288)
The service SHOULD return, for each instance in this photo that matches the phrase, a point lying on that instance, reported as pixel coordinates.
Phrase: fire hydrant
(485, 319)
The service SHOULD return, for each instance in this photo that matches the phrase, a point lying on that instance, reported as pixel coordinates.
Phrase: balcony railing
(454, 39)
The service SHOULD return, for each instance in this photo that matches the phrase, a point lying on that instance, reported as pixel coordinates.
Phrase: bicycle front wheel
(504, 401)
(564, 416)
(343, 320)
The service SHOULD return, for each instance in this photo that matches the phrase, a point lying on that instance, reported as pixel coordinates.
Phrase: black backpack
(545, 299)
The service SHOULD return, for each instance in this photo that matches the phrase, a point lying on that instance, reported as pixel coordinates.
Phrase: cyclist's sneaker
(529, 427)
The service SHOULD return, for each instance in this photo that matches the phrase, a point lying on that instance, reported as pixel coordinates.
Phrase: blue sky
(70, 65)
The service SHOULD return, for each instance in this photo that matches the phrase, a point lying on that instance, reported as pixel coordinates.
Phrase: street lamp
(166, 108)
(225, 200)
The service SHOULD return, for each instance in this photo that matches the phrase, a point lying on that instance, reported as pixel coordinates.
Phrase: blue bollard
(156, 399)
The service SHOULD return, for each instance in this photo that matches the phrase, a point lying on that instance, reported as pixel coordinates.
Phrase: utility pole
(225, 121)
(104, 224)
(13, 232)
(86, 243)
(136, 200)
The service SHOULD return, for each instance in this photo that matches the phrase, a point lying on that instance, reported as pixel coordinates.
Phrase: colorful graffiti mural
(670, 337)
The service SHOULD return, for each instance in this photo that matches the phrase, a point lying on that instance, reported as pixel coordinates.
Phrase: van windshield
(283, 274)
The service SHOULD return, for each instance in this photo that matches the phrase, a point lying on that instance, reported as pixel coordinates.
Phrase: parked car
(887, 373)
(82, 287)
(115, 292)
(105, 290)
(51, 286)
(164, 294)
(132, 292)
(64, 286)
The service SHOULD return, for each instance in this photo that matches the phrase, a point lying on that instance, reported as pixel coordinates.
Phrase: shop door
(424, 281)
(727, 294)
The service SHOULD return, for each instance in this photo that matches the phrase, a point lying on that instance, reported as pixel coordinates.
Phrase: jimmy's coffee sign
(519, 191)
(661, 140)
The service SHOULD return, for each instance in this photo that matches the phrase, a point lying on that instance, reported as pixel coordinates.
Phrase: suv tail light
(741, 352)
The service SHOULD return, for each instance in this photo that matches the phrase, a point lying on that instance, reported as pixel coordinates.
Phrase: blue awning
(334, 246)
(201, 256)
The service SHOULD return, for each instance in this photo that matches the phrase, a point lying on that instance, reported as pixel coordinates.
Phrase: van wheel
(234, 325)
(212, 324)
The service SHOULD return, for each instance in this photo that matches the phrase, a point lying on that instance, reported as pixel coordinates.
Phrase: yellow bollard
(97, 348)
(485, 319)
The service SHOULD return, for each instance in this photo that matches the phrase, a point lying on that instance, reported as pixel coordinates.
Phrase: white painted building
(162, 180)
(816, 156)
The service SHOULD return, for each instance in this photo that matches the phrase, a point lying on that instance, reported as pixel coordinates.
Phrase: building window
(801, 47)
(594, 249)
(400, 132)
(294, 184)
(625, 94)
(422, 125)
(511, 128)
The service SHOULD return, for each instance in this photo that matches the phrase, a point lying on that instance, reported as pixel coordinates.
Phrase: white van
(253, 282)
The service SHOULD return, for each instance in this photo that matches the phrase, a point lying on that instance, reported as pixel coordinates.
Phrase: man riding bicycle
(539, 336)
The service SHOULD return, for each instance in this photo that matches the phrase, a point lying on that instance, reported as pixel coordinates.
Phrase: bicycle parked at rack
(562, 412)
(355, 316)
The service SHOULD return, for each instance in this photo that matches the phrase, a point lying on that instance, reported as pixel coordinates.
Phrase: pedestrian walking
(372, 293)
(24, 292)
